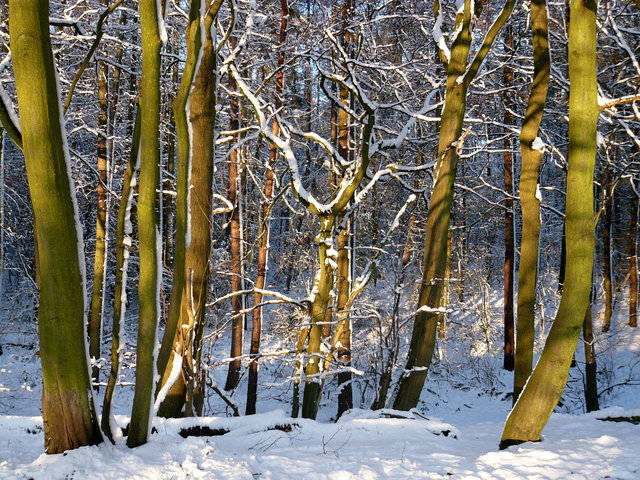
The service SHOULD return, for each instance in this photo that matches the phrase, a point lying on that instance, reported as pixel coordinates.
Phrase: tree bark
(545, 386)
(509, 242)
(196, 168)
(607, 192)
(123, 242)
(237, 324)
(100, 257)
(68, 408)
(591, 367)
(148, 225)
(264, 230)
(459, 78)
(633, 261)
(174, 401)
(529, 197)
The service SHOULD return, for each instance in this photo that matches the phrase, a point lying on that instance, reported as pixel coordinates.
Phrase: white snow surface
(538, 144)
(454, 433)
(362, 445)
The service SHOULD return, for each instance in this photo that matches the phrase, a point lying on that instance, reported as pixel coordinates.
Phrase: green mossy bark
(547, 382)
(122, 255)
(68, 409)
(423, 338)
(148, 233)
(174, 401)
(529, 202)
(459, 77)
(195, 183)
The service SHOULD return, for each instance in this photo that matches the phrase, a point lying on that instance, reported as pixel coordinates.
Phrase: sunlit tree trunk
(342, 343)
(459, 77)
(100, 257)
(322, 292)
(548, 380)
(264, 229)
(174, 401)
(197, 174)
(530, 197)
(123, 242)
(68, 408)
(148, 224)
(237, 324)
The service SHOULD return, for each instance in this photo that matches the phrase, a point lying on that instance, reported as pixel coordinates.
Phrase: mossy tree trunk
(548, 380)
(68, 408)
(174, 401)
(148, 225)
(195, 159)
(529, 197)
(459, 77)
(342, 342)
(123, 242)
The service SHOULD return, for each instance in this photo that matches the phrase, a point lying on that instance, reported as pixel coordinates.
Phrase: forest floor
(454, 433)
(361, 445)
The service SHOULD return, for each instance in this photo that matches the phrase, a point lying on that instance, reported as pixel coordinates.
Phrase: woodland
(215, 207)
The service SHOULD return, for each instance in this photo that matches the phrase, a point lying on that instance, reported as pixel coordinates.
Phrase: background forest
(316, 206)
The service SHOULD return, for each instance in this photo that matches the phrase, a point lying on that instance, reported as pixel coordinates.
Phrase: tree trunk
(68, 408)
(174, 400)
(342, 342)
(264, 230)
(459, 77)
(237, 324)
(438, 218)
(123, 242)
(509, 242)
(545, 386)
(633, 261)
(530, 197)
(148, 225)
(100, 257)
(607, 192)
(591, 367)
(322, 292)
(187, 338)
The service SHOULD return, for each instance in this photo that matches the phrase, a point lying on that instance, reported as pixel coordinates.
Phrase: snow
(438, 37)
(538, 144)
(162, 31)
(4, 97)
(362, 445)
(173, 377)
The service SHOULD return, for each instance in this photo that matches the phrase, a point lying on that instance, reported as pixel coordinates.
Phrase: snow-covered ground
(454, 433)
(360, 446)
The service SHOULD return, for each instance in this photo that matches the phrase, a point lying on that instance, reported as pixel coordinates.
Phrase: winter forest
(321, 239)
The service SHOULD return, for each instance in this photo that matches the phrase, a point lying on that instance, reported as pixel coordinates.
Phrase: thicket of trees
(235, 164)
